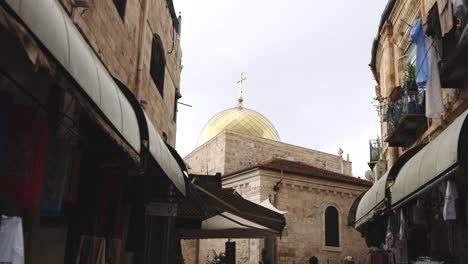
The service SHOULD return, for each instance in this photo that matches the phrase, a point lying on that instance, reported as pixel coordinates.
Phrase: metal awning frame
(137, 137)
(210, 204)
(435, 162)
(382, 206)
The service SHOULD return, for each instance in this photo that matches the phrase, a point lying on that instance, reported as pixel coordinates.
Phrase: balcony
(405, 118)
(375, 148)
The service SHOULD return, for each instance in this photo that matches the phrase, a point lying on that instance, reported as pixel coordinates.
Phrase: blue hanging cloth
(422, 66)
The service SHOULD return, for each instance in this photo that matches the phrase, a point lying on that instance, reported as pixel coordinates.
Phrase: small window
(120, 5)
(158, 64)
(332, 232)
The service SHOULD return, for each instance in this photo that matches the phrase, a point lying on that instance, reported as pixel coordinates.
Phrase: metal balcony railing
(404, 117)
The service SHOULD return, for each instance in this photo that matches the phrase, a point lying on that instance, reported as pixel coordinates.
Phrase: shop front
(425, 217)
(79, 159)
(211, 212)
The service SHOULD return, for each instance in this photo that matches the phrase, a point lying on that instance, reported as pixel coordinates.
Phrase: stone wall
(208, 158)
(390, 64)
(116, 41)
(230, 151)
(305, 200)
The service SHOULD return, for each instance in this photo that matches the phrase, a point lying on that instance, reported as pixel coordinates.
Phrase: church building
(314, 189)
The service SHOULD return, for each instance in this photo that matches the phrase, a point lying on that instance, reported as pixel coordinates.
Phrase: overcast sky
(306, 63)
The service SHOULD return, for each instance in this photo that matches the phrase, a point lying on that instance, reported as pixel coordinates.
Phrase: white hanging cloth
(434, 103)
(402, 233)
(451, 195)
(11, 240)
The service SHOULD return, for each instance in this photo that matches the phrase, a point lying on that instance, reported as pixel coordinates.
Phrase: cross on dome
(240, 81)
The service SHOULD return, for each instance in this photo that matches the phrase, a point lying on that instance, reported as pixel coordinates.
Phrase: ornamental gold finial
(241, 99)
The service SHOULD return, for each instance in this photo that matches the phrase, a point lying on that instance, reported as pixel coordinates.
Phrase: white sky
(306, 63)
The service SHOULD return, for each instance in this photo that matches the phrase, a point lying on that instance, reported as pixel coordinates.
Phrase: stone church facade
(232, 150)
(305, 193)
(315, 189)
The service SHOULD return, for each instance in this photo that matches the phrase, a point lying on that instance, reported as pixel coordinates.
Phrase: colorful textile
(422, 68)
(25, 164)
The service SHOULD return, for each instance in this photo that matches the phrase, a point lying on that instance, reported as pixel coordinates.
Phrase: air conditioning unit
(82, 3)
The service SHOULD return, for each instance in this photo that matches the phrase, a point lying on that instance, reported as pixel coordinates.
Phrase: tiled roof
(301, 168)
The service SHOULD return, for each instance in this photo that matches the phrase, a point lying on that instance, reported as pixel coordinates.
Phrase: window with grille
(120, 5)
(332, 231)
(158, 64)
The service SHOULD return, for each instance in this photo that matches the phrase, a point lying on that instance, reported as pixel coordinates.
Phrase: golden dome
(239, 119)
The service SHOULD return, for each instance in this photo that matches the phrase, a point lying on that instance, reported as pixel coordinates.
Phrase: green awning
(371, 202)
(437, 159)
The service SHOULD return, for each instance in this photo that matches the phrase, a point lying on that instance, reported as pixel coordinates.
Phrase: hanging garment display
(26, 159)
(11, 240)
(434, 103)
(432, 26)
(418, 38)
(389, 235)
(460, 9)
(92, 250)
(402, 233)
(451, 195)
(58, 171)
(445, 15)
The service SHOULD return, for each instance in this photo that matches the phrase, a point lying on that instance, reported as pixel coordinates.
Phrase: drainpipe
(142, 38)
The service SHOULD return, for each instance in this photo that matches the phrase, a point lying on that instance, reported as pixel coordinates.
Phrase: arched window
(332, 228)
(158, 64)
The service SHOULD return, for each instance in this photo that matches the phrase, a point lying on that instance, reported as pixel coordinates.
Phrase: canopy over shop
(415, 199)
(40, 35)
(212, 212)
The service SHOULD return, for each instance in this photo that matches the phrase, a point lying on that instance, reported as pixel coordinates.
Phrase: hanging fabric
(460, 9)
(92, 250)
(11, 240)
(402, 233)
(433, 23)
(451, 195)
(434, 103)
(389, 235)
(418, 38)
(58, 171)
(26, 162)
(445, 15)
